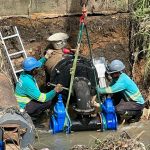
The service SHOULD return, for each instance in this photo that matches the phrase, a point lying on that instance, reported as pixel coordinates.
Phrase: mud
(139, 130)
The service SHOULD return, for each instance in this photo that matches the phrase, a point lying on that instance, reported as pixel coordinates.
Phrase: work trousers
(34, 108)
(122, 105)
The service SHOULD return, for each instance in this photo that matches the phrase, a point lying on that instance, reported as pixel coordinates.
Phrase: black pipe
(82, 92)
(78, 125)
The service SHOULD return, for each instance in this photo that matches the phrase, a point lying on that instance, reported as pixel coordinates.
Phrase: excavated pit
(109, 36)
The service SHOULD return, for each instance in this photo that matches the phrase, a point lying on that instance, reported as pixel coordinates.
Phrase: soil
(109, 35)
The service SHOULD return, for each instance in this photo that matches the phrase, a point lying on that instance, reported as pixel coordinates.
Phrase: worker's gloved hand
(97, 105)
(108, 77)
(48, 54)
(58, 88)
(94, 103)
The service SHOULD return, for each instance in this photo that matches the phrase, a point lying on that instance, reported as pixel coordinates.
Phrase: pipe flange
(102, 121)
(84, 112)
(77, 79)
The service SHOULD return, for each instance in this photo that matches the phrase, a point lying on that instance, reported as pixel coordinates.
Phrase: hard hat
(115, 66)
(30, 63)
(58, 40)
(58, 37)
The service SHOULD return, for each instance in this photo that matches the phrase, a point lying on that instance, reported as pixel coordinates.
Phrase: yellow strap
(42, 97)
(22, 99)
(135, 96)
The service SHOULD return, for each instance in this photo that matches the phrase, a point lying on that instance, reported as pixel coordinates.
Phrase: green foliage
(141, 14)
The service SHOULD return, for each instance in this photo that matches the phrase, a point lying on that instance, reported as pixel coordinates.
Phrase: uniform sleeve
(34, 93)
(42, 61)
(117, 87)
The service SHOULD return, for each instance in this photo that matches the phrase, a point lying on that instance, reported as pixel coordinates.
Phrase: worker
(127, 98)
(27, 93)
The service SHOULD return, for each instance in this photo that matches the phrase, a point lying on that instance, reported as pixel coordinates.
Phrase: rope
(89, 45)
(73, 69)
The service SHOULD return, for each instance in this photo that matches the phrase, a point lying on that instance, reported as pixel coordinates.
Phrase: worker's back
(24, 83)
(131, 91)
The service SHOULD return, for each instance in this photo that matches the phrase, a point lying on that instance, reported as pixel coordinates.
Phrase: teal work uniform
(27, 89)
(125, 85)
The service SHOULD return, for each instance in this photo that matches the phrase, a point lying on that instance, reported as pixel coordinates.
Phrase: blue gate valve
(58, 118)
(108, 116)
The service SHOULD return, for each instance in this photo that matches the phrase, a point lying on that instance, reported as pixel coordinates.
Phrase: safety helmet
(30, 63)
(115, 66)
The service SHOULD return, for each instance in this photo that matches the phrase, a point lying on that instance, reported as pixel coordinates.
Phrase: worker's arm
(117, 87)
(42, 61)
(33, 92)
(47, 56)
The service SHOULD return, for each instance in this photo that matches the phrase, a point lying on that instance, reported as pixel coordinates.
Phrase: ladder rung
(16, 53)
(17, 71)
(11, 36)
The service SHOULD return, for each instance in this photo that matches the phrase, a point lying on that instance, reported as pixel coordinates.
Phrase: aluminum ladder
(21, 51)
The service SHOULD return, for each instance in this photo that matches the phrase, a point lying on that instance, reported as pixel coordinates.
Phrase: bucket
(58, 40)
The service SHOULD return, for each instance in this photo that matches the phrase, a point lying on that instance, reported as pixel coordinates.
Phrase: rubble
(124, 142)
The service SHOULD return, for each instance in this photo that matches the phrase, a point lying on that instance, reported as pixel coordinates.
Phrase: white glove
(48, 54)
(97, 105)
(94, 103)
(58, 88)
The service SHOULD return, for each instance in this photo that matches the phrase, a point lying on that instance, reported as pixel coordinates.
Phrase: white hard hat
(115, 66)
(58, 37)
(58, 40)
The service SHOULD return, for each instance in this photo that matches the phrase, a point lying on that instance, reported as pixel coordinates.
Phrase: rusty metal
(18, 127)
(12, 134)
(54, 59)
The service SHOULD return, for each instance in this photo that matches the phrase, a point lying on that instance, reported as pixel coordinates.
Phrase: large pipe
(58, 69)
(83, 89)
(92, 124)
(83, 96)
(10, 114)
(7, 97)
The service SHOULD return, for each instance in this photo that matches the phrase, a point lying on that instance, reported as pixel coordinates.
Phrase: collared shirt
(125, 85)
(27, 89)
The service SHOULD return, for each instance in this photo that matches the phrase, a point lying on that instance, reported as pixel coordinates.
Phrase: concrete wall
(58, 7)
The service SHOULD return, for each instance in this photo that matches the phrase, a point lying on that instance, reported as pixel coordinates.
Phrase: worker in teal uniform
(27, 92)
(127, 98)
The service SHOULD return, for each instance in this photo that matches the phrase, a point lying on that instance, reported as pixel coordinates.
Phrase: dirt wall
(109, 35)
(59, 7)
